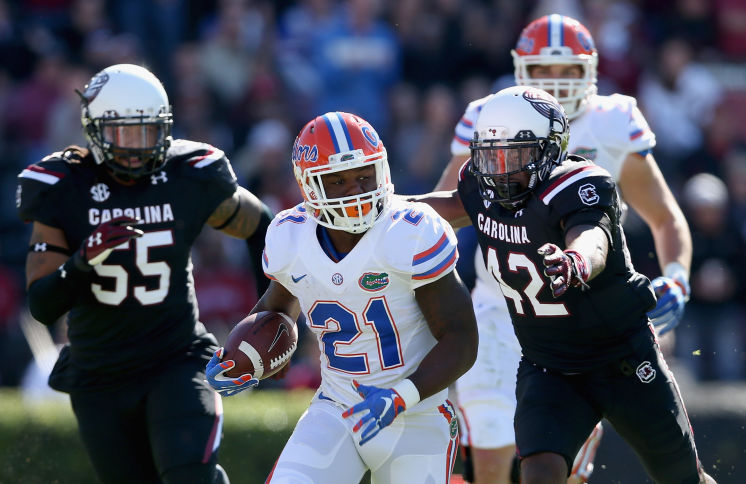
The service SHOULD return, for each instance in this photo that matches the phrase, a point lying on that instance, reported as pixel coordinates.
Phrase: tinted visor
(140, 136)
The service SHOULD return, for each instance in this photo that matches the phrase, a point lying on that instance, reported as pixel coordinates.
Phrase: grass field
(39, 442)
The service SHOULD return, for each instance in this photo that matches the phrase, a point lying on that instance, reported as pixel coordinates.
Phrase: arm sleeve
(51, 296)
(255, 243)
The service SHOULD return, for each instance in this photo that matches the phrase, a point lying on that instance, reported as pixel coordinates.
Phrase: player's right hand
(225, 385)
(97, 246)
(382, 406)
(565, 268)
(672, 295)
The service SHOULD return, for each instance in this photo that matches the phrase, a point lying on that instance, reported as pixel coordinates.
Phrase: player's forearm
(450, 358)
(673, 243)
(447, 204)
(590, 242)
(51, 296)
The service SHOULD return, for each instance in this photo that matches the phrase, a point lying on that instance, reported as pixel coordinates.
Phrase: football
(261, 344)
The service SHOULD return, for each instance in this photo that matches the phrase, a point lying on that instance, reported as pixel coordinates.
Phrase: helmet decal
(370, 135)
(304, 152)
(545, 105)
(94, 86)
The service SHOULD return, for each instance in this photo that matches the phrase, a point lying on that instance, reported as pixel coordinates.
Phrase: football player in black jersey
(548, 225)
(113, 226)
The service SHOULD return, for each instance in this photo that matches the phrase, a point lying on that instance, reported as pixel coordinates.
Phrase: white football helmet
(557, 39)
(114, 100)
(519, 129)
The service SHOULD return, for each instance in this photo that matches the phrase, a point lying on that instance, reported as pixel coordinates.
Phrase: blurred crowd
(245, 75)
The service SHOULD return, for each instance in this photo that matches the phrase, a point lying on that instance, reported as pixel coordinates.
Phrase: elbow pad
(51, 296)
(255, 243)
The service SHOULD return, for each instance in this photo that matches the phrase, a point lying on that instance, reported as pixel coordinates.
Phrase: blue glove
(382, 404)
(226, 385)
(672, 296)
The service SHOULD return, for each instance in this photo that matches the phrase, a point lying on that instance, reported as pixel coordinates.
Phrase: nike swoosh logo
(280, 330)
(324, 397)
(297, 279)
(389, 403)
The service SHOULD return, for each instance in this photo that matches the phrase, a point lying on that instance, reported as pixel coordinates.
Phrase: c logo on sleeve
(588, 194)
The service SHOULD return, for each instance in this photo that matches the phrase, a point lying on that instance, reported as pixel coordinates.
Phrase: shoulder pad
(419, 242)
(621, 123)
(281, 236)
(39, 184)
(194, 154)
(577, 184)
(464, 131)
(205, 163)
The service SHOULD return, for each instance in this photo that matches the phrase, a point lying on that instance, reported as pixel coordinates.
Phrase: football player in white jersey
(557, 54)
(374, 276)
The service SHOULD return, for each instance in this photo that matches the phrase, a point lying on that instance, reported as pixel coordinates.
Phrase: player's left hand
(565, 268)
(225, 385)
(382, 404)
(672, 296)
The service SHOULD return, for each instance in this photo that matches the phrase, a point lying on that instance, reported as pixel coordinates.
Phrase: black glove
(97, 247)
(565, 268)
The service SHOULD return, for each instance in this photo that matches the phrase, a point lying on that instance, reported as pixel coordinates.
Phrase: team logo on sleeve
(588, 194)
(371, 281)
(645, 372)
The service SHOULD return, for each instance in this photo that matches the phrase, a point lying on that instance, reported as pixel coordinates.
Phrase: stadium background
(245, 75)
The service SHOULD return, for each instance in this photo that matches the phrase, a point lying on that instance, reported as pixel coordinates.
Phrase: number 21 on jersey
(341, 327)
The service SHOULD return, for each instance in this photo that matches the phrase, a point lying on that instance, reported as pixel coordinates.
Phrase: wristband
(680, 276)
(408, 392)
(582, 264)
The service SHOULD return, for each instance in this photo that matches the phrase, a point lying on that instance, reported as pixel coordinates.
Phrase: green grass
(39, 443)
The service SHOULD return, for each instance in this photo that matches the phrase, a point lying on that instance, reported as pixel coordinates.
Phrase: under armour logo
(63, 272)
(40, 247)
(94, 239)
(154, 179)
(100, 192)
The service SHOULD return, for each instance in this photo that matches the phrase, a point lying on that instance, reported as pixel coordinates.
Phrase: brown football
(261, 344)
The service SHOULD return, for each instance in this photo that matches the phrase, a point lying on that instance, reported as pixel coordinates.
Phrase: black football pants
(143, 429)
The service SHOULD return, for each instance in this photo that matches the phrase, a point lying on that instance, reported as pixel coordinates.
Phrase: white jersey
(610, 128)
(362, 309)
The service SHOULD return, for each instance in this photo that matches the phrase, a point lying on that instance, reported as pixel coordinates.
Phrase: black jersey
(580, 330)
(139, 306)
